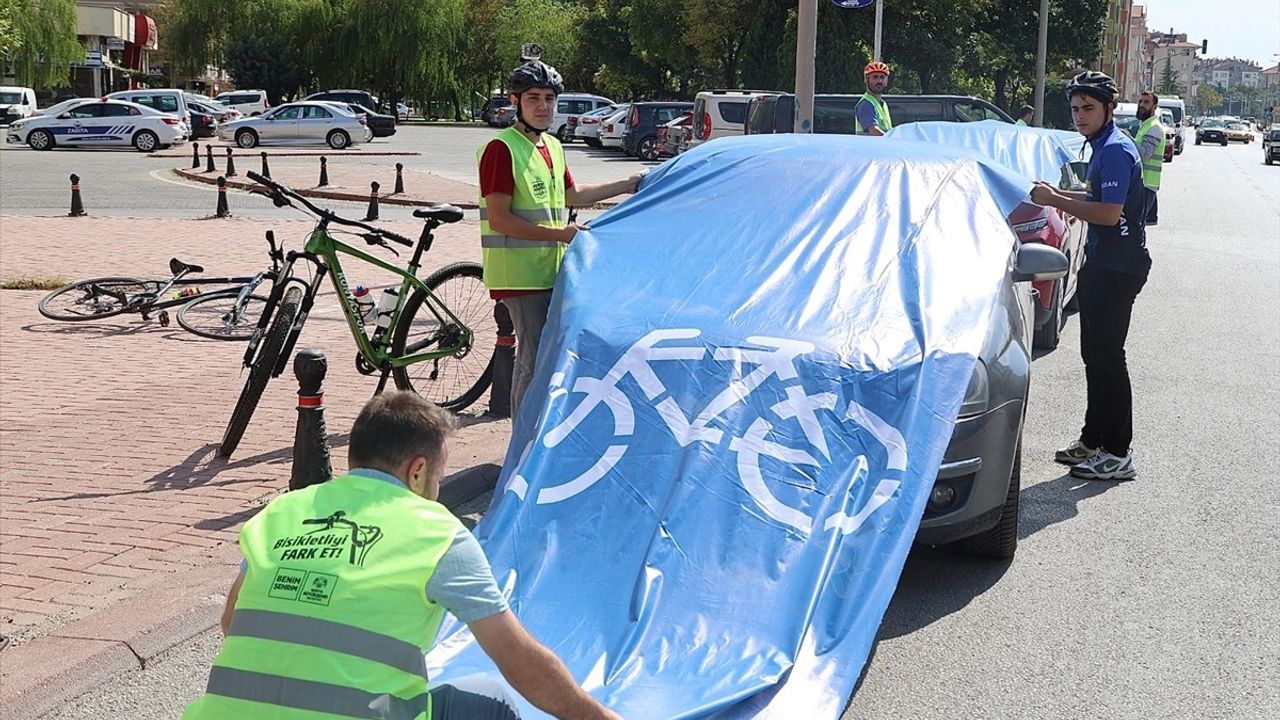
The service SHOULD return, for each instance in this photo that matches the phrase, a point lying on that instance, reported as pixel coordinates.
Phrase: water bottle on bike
(364, 303)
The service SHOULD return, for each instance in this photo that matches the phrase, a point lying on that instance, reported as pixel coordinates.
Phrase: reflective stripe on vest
(883, 121)
(332, 615)
(515, 263)
(1154, 164)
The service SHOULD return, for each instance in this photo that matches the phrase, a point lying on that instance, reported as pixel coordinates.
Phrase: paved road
(1154, 598)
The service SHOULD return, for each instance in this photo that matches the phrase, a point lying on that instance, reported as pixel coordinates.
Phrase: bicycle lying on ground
(229, 313)
(435, 336)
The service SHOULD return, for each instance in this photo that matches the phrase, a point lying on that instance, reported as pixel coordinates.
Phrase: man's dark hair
(396, 426)
(1026, 110)
(1154, 97)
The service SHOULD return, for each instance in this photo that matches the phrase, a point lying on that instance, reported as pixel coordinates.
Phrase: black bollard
(373, 202)
(231, 164)
(223, 211)
(266, 171)
(399, 179)
(504, 363)
(311, 464)
(195, 156)
(209, 167)
(77, 206)
(324, 172)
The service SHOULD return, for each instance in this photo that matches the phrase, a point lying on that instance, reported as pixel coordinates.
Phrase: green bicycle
(435, 336)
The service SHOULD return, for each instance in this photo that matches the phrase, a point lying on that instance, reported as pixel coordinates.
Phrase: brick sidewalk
(108, 472)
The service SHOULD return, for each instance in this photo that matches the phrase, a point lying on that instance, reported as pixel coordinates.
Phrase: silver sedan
(299, 123)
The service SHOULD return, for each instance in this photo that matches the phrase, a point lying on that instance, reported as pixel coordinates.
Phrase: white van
(249, 103)
(717, 113)
(166, 101)
(573, 105)
(1179, 109)
(16, 103)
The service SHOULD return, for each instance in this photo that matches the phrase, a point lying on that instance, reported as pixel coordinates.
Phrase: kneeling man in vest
(344, 585)
(525, 193)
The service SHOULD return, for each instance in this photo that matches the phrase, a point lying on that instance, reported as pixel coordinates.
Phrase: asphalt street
(1150, 598)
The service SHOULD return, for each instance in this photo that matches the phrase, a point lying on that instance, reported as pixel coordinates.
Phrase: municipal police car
(100, 122)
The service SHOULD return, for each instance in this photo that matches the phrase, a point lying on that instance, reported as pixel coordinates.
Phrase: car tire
(1268, 159)
(40, 140)
(1001, 541)
(145, 141)
(1197, 141)
(338, 139)
(564, 135)
(592, 143)
(246, 139)
(1048, 335)
(1224, 143)
(648, 149)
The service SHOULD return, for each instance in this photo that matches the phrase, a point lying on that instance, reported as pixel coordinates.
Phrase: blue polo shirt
(1115, 176)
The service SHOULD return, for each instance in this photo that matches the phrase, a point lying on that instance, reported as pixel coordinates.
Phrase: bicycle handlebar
(329, 215)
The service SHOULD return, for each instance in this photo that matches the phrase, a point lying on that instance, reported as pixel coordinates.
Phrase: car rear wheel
(564, 134)
(1197, 141)
(1001, 541)
(40, 140)
(145, 141)
(247, 139)
(647, 149)
(338, 140)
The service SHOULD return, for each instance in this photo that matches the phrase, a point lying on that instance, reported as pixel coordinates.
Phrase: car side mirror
(1039, 262)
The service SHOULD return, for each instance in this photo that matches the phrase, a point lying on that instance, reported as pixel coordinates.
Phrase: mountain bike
(229, 313)
(435, 336)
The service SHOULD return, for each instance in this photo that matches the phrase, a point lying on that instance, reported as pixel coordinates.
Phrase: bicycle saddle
(440, 212)
(176, 266)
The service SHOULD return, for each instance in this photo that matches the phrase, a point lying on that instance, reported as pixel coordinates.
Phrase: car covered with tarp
(1039, 154)
(746, 387)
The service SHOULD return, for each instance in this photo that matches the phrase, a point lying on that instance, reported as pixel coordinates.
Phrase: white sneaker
(1102, 465)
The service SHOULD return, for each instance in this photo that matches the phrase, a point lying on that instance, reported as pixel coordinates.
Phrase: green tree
(402, 48)
(1207, 98)
(260, 62)
(1168, 81)
(38, 37)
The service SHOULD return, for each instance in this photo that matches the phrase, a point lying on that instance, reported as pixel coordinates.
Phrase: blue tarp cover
(749, 375)
(1037, 153)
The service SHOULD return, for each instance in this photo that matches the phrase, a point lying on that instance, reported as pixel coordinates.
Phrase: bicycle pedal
(364, 367)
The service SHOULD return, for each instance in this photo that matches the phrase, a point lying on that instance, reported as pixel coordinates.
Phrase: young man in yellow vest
(525, 193)
(344, 585)
(871, 113)
(1150, 141)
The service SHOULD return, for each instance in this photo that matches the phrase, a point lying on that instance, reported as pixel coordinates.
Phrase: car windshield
(1176, 112)
(1237, 126)
(1212, 123)
(10, 97)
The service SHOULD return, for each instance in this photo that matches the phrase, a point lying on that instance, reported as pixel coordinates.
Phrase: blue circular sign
(852, 3)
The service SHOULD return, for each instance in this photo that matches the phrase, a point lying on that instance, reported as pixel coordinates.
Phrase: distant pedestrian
(871, 115)
(1115, 269)
(1151, 143)
(344, 585)
(1025, 115)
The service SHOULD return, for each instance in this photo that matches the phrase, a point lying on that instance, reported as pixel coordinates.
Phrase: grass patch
(33, 282)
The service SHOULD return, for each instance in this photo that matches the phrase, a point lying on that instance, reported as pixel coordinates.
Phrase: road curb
(49, 671)
(170, 153)
(324, 194)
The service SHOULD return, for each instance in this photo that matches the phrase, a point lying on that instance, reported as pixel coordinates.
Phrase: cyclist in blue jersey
(1115, 269)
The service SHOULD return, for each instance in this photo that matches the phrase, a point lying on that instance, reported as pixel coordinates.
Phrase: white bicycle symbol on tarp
(770, 358)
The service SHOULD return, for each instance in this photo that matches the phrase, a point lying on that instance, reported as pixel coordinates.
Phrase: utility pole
(1042, 51)
(879, 28)
(806, 50)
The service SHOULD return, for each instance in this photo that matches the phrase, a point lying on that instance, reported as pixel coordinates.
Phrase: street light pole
(879, 28)
(806, 49)
(1042, 51)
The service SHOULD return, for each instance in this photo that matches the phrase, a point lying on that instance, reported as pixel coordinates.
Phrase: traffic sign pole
(806, 48)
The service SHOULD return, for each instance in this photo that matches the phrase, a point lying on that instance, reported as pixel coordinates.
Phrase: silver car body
(591, 130)
(307, 122)
(612, 127)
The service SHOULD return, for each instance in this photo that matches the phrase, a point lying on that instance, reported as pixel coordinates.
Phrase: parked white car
(162, 100)
(249, 103)
(100, 122)
(16, 103)
(589, 124)
(719, 113)
(300, 122)
(573, 105)
(612, 127)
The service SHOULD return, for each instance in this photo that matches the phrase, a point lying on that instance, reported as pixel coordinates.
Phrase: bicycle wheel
(457, 380)
(222, 316)
(94, 299)
(260, 372)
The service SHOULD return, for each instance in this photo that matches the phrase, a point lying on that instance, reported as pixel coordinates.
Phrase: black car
(641, 136)
(381, 125)
(1212, 131)
(355, 97)
(1271, 145)
(203, 124)
(489, 113)
(834, 114)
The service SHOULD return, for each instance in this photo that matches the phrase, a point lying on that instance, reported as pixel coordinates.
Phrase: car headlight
(977, 395)
(1032, 226)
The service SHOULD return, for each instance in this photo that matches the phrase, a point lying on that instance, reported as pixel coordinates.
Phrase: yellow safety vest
(332, 618)
(882, 114)
(1153, 165)
(513, 263)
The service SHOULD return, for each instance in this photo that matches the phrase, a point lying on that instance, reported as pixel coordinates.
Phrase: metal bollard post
(311, 464)
(266, 171)
(399, 179)
(77, 206)
(231, 164)
(223, 210)
(209, 167)
(195, 156)
(372, 214)
(504, 362)
(324, 172)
